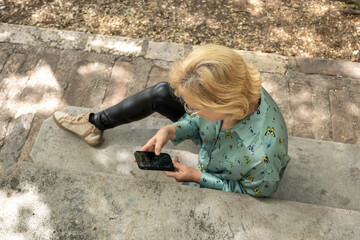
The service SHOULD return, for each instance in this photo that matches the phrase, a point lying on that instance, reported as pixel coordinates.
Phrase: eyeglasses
(191, 112)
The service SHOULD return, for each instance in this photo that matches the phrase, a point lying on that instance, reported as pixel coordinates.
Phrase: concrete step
(39, 202)
(322, 173)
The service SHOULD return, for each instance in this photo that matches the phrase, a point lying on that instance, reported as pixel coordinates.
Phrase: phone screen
(149, 161)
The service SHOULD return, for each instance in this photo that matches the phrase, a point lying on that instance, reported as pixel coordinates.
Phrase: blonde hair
(217, 78)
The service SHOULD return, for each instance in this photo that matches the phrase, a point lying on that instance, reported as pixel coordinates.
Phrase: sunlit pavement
(43, 70)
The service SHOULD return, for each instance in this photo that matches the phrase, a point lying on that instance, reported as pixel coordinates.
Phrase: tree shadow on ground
(291, 28)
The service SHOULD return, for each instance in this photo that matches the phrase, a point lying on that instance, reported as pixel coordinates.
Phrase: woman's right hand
(160, 139)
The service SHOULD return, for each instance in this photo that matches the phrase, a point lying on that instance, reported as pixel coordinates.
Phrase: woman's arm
(186, 128)
(255, 182)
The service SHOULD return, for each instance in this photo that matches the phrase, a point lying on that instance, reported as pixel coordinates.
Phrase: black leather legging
(158, 98)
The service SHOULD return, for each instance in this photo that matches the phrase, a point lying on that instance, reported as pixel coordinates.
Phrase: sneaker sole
(57, 123)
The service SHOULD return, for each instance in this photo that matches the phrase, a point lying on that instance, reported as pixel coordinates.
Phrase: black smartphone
(149, 161)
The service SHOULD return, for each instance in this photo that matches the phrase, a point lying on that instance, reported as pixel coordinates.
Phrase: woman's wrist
(197, 176)
(171, 132)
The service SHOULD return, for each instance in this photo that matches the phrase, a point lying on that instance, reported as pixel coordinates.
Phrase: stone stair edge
(324, 141)
(13, 167)
(166, 51)
(28, 165)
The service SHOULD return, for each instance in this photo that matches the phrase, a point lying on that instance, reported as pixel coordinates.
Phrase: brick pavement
(43, 70)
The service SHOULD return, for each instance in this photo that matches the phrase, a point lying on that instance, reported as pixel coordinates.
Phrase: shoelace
(78, 119)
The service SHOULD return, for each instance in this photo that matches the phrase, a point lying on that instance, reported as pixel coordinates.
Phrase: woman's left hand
(184, 173)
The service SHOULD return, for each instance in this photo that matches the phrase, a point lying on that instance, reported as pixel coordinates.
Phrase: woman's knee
(161, 91)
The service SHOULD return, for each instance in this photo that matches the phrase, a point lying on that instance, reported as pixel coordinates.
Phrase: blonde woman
(215, 99)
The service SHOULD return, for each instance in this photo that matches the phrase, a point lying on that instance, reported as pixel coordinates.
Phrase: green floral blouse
(248, 158)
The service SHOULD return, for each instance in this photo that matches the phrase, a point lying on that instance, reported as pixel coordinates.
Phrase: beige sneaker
(80, 126)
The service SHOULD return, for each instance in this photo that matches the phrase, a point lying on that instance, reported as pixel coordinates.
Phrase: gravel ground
(311, 28)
